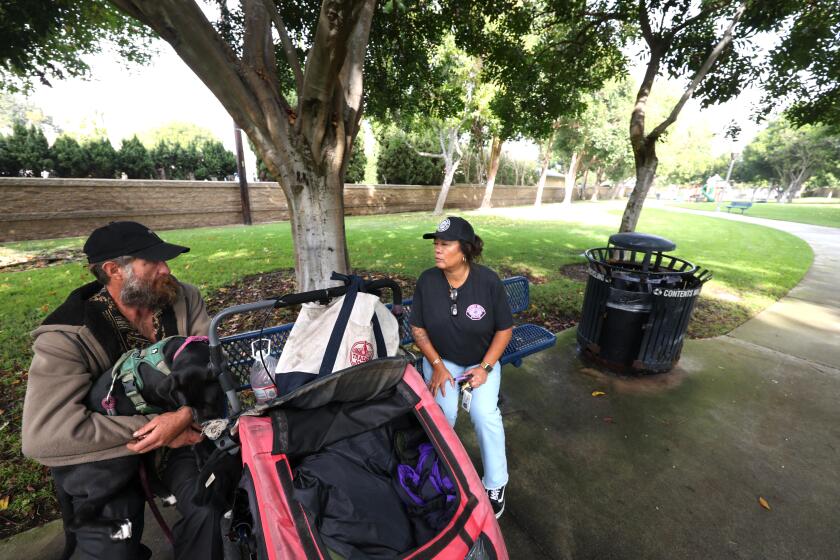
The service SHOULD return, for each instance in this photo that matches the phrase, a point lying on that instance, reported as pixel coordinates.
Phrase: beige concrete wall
(35, 208)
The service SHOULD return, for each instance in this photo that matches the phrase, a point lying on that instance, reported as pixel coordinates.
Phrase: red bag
(379, 394)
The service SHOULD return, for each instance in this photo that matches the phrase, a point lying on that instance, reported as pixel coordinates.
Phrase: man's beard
(149, 294)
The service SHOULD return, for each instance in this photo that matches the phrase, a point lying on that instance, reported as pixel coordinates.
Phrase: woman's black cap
(453, 228)
(129, 239)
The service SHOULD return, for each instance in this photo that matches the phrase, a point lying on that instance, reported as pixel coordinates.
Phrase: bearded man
(134, 302)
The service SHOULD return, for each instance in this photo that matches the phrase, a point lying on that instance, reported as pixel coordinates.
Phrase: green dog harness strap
(127, 369)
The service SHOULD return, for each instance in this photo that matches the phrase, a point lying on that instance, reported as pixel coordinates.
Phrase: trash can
(637, 304)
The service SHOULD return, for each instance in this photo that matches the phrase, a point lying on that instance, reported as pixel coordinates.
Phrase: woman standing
(462, 323)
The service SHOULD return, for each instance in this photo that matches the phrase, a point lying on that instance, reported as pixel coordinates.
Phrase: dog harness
(127, 370)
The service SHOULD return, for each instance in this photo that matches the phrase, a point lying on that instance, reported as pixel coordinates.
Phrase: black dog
(191, 383)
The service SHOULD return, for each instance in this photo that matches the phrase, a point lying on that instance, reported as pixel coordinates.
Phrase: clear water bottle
(262, 371)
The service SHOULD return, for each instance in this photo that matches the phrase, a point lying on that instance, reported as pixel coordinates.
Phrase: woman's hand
(479, 377)
(440, 377)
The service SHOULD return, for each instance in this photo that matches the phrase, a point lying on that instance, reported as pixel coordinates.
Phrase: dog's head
(190, 382)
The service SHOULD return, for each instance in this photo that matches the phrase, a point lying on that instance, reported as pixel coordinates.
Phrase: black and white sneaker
(497, 500)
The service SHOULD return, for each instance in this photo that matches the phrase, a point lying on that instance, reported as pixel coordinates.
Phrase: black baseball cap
(453, 228)
(129, 239)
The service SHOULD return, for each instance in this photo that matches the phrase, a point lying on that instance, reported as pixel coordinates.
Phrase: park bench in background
(527, 338)
(738, 205)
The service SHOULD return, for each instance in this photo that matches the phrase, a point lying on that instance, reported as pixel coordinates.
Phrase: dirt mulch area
(575, 271)
(272, 285)
(16, 261)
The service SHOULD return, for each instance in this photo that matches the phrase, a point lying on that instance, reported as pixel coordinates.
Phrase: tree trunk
(571, 173)
(585, 180)
(599, 177)
(495, 157)
(449, 145)
(317, 219)
(541, 182)
(644, 146)
(646, 164)
(444, 189)
(305, 148)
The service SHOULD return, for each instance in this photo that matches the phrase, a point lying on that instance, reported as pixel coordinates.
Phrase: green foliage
(400, 164)
(356, 167)
(179, 132)
(804, 68)
(599, 132)
(25, 152)
(47, 39)
(216, 162)
(685, 154)
(543, 55)
(785, 157)
(517, 172)
(9, 165)
(199, 160)
(134, 159)
(71, 160)
(103, 158)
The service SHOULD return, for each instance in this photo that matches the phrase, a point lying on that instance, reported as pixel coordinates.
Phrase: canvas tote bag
(350, 330)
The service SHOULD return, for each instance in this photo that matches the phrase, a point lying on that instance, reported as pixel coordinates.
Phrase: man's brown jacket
(72, 348)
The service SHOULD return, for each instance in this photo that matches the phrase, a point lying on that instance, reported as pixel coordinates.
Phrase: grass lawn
(818, 212)
(753, 266)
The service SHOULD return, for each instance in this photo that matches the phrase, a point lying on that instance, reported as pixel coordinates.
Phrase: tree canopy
(45, 40)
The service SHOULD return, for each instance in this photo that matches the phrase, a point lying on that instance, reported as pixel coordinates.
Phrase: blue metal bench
(737, 205)
(526, 340)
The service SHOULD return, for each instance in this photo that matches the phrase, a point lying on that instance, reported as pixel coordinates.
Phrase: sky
(126, 101)
(129, 100)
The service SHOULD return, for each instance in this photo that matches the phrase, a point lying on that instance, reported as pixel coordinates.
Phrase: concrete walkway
(672, 466)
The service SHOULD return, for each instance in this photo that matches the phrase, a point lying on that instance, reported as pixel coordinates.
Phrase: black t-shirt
(482, 310)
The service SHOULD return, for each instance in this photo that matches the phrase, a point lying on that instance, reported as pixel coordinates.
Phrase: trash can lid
(643, 242)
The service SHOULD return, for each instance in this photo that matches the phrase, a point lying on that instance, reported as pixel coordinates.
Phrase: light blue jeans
(486, 418)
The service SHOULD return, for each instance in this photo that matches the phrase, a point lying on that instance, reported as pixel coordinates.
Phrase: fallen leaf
(609, 420)
(30, 488)
(763, 503)
(45, 308)
(2, 410)
(4, 503)
(598, 393)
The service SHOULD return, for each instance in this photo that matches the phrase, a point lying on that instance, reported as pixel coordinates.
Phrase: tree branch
(288, 47)
(259, 66)
(351, 76)
(326, 57)
(185, 27)
(644, 21)
(419, 153)
(700, 74)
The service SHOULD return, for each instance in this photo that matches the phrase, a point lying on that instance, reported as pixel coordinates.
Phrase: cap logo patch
(475, 312)
(444, 225)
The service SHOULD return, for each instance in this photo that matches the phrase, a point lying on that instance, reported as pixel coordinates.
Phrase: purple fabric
(415, 481)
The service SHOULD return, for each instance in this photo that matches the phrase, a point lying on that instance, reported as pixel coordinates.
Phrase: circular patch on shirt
(444, 225)
(361, 352)
(475, 312)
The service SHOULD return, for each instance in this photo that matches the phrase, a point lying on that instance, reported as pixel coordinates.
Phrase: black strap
(381, 351)
(354, 283)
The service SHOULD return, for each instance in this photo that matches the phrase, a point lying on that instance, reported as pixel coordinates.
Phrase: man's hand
(190, 436)
(162, 431)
